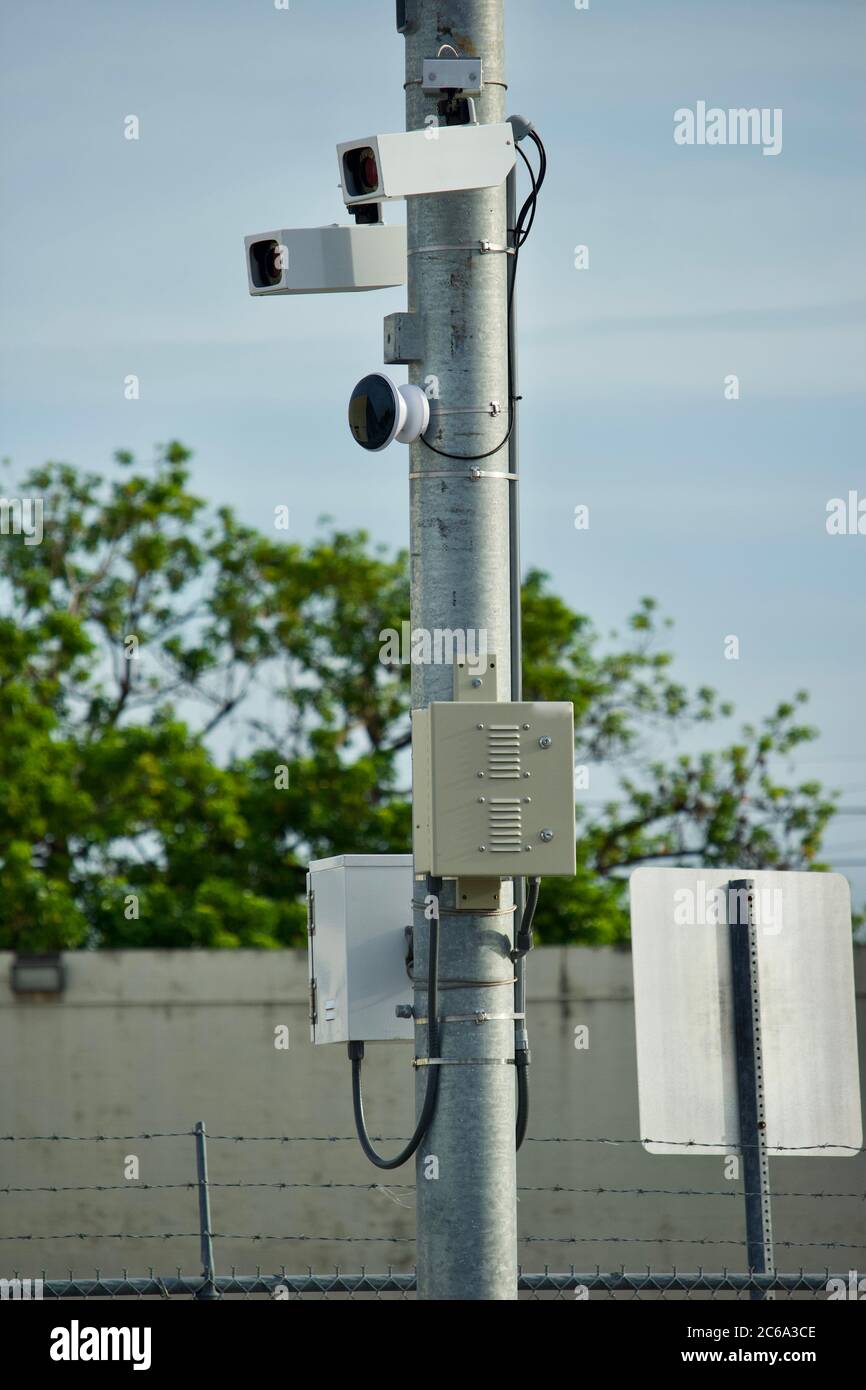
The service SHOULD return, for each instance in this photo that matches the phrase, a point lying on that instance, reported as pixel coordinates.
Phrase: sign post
(751, 1098)
(745, 1023)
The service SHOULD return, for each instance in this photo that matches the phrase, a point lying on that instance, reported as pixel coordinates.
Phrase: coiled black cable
(356, 1055)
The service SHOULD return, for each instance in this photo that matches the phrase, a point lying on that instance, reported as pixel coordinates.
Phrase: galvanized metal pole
(457, 329)
(750, 1078)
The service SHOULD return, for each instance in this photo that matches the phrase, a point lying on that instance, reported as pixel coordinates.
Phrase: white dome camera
(380, 412)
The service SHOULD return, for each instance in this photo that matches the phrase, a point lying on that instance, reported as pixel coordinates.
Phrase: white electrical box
(358, 909)
(493, 788)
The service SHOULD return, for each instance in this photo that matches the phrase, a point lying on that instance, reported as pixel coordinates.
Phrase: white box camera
(438, 159)
(326, 260)
(359, 906)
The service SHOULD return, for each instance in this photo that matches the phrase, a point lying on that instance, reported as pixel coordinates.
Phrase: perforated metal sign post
(751, 1100)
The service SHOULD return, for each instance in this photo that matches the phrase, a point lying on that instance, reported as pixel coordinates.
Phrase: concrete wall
(154, 1040)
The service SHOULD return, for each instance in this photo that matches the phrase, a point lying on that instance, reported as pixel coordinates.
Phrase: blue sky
(126, 257)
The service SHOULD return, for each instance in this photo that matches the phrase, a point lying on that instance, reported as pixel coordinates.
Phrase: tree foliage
(191, 710)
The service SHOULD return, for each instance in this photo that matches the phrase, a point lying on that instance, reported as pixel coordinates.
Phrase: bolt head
(476, 682)
(479, 774)
(545, 741)
(546, 835)
(479, 726)
(482, 849)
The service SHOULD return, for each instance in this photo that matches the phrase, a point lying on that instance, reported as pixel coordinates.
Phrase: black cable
(542, 154)
(530, 203)
(537, 181)
(521, 1060)
(522, 1057)
(356, 1055)
(523, 940)
(530, 199)
(519, 235)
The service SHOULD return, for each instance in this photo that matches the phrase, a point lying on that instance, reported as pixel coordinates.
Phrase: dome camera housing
(380, 412)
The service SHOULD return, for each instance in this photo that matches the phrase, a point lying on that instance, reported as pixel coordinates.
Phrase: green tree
(192, 710)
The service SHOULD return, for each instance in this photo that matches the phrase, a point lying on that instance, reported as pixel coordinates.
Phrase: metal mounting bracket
(441, 74)
(404, 336)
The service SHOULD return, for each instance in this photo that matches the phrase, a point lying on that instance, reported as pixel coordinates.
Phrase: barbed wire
(398, 1138)
(215, 1235)
(393, 1192)
(95, 1138)
(539, 1139)
(595, 1191)
(681, 1240)
(410, 1240)
(135, 1186)
(737, 1193)
(719, 1149)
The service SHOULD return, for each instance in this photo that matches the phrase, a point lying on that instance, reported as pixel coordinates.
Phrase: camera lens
(369, 172)
(362, 171)
(265, 266)
(373, 412)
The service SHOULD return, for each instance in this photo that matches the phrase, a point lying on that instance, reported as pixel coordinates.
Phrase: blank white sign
(684, 1012)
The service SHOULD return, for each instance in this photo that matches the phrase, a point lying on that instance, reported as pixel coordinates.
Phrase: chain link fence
(390, 1285)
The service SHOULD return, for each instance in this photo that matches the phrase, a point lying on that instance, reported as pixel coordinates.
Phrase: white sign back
(684, 1011)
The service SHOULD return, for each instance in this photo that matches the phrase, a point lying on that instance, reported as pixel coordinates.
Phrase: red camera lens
(370, 172)
(361, 171)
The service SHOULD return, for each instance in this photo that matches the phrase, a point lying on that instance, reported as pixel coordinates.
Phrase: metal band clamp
(469, 911)
(463, 1062)
(480, 1017)
(464, 984)
(473, 474)
(491, 408)
(484, 248)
